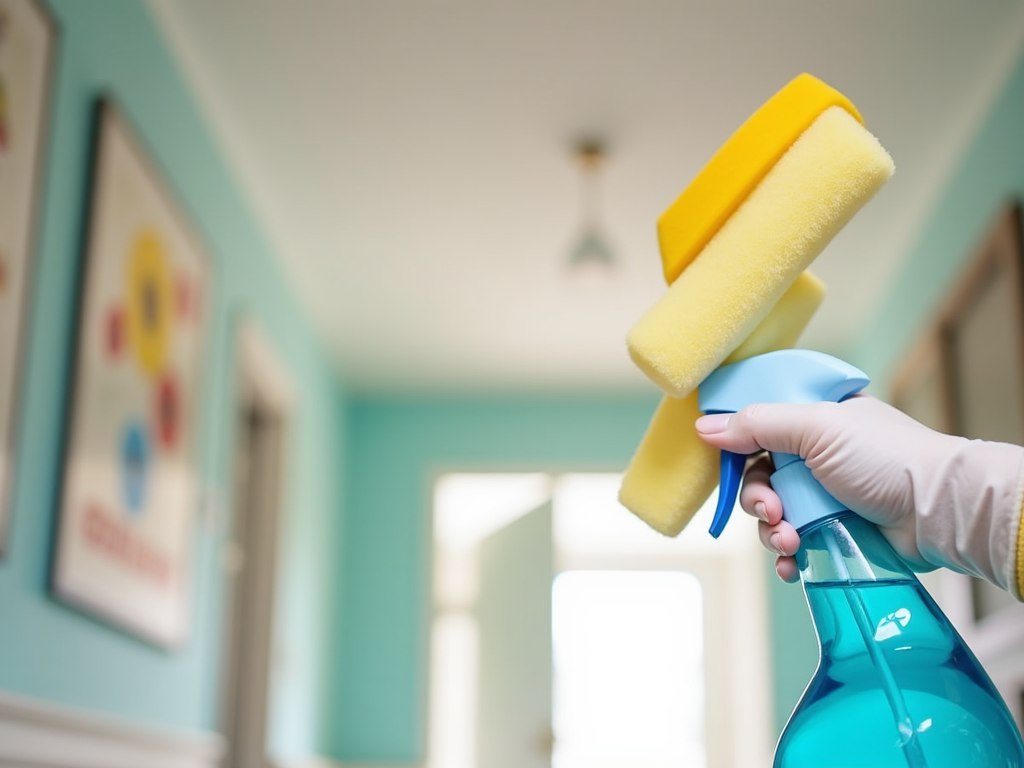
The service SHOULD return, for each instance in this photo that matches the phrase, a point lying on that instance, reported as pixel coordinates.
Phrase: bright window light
(628, 670)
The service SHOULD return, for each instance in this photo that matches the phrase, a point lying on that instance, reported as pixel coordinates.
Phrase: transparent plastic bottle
(896, 686)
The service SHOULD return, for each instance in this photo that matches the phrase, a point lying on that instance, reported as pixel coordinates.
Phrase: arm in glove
(940, 500)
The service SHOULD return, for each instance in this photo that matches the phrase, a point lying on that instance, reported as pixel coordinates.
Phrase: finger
(786, 568)
(779, 427)
(757, 497)
(782, 538)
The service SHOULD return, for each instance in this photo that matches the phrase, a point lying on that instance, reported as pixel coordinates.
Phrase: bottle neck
(804, 499)
(846, 548)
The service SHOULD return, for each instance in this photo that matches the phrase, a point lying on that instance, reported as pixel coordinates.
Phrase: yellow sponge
(673, 471)
(813, 190)
(735, 246)
(782, 327)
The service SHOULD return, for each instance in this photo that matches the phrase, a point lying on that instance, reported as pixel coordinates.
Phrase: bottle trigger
(728, 488)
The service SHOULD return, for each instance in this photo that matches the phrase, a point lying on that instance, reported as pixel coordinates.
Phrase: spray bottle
(895, 684)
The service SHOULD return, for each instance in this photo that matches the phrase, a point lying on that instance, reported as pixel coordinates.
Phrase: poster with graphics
(129, 490)
(26, 40)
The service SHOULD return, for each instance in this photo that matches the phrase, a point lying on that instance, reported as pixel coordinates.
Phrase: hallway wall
(48, 651)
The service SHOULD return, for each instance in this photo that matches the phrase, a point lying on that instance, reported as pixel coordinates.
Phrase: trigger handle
(728, 488)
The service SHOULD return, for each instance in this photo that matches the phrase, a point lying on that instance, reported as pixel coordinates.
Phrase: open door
(514, 613)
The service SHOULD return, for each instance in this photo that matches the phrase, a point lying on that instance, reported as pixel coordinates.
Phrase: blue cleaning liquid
(917, 699)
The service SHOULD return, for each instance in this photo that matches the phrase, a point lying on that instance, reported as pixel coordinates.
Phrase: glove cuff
(971, 518)
(1016, 574)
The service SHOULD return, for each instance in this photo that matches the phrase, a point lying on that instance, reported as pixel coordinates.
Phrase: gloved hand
(940, 500)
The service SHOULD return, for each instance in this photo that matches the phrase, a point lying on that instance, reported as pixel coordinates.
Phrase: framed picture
(123, 543)
(26, 52)
(966, 377)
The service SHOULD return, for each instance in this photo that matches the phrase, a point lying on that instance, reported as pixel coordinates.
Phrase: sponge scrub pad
(811, 193)
(673, 471)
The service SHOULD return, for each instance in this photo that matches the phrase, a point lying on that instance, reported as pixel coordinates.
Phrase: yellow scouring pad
(808, 195)
(673, 472)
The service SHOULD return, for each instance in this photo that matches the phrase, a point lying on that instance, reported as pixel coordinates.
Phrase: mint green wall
(990, 175)
(397, 448)
(48, 651)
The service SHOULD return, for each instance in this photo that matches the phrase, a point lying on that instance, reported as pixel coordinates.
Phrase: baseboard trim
(37, 734)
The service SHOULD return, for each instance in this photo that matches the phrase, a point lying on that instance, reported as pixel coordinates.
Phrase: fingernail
(775, 540)
(712, 423)
(761, 511)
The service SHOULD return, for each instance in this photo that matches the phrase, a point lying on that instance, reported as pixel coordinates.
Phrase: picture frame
(123, 542)
(965, 376)
(27, 43)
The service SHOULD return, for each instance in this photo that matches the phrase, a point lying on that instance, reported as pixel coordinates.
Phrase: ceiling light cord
(591, 253)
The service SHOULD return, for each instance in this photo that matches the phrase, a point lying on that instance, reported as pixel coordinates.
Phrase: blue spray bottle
(896, 686)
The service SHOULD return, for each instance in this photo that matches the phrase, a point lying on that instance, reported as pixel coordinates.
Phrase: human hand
(940, 500)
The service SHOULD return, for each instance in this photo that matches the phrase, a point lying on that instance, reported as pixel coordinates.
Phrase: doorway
(249, 556)
(592, 640)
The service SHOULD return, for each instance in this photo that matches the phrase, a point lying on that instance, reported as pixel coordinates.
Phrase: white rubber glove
(939, 500)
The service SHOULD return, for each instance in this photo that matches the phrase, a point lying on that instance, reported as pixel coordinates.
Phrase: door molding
(262, 412)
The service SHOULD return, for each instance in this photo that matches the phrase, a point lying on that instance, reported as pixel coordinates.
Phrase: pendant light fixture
(590, 254)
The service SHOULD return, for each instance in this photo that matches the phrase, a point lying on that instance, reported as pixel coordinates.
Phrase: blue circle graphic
(134, 466)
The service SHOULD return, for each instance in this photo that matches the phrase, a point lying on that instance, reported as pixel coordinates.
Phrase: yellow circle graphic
(150, 307)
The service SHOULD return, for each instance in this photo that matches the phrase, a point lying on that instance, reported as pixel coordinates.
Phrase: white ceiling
(412, 163)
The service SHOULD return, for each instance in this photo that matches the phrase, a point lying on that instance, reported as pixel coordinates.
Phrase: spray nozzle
(786, 376)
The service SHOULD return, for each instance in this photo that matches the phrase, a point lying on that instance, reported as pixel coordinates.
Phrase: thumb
(777, 427)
